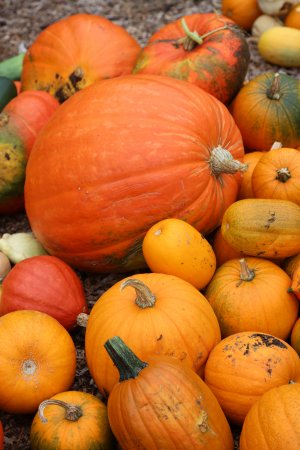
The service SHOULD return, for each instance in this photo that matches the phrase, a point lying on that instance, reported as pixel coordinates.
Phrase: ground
(20, 23)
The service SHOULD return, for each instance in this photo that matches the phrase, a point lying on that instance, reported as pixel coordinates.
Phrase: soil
(20, 23)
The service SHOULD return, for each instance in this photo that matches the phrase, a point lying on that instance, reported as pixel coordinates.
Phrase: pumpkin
(292, 19)
(268, 228)
(277, 175)
(47, 284)
(295, 336)
(267, 109)
(242, 13)
(251, 294)
(74, 52)
(206, 49)
(163, 404)
(71, 420)
(163, 163)
(251, 159)
(281, 46)
(243, 366)
(273, 421)
(155, 313)
(37, 360)
(175, 247)
(223, 251)
(20, 122)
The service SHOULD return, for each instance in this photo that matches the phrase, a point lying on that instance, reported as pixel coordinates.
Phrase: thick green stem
(73, 412)
(192, 38)
(127, 363)
(144, 297)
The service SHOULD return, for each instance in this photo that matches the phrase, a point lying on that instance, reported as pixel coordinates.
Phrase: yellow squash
(281, 46)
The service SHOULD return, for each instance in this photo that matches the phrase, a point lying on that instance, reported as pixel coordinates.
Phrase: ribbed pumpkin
(76, 51)
(37, 360)
(251, 159)
(207, 50)
(243, 13)
(243, 366)
(277, 175)
(114, 160)
(72, 419)
(162, 404)
(252, 294)
(155, 313)
(273, 421)
(267, 109)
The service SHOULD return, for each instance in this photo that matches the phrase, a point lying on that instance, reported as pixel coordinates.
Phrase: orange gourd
(243, 13)
(273, 421)
(162, 404)
(37, 360)
(155, 313)
(251, 294)
(74, 52)
(292, 19)
(251, 159)
(116, 187)
(72, 419)
(243, 366)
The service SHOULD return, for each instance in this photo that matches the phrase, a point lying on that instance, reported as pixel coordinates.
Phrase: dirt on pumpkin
(20, 23)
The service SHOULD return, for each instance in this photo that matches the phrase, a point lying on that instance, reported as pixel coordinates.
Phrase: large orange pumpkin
(115, 159)
(207, 50)
(74, 52)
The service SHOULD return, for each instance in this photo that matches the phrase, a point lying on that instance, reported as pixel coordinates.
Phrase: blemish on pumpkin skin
(202, 422)
(267, 340)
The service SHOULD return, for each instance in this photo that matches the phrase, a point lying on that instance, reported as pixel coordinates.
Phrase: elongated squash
(263, 227)
(281, 46)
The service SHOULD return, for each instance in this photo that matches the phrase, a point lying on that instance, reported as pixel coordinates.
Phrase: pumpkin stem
(274, 92)
(276, 145)
(192, 38)
(246, 273)
(82, 319)
(283, 174)
(127, 363)
(144, 297)
(73, 412)
(221, 161)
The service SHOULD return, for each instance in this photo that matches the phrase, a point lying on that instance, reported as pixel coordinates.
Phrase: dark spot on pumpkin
(260, 253)
(160, 337)
(57, 76)
(247, 351)
(7, 156)
(267, 340)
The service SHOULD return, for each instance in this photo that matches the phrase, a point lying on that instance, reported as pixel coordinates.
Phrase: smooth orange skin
(243, 13)
(243, 366)
(265, 183)
(34, 336)
(99, 47)
(290, 264)
(295, 286)
(175, 247)
(293, 17)
(223, 251)
(251, 159)
(140, 171)
(256, 304)
(181, 324)
(218, 65)
(167, 406)
(295, 336)
(273, 421)
(91, 430)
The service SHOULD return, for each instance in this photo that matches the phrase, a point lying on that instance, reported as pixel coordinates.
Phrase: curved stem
(274, 92)
(221, 161)
(246, 273)
(73, 412)
(82, 319)
(144, 297)
(283, 174)
(192, 38)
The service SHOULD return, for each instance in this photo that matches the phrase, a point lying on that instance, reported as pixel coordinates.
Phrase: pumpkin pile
(164, 166)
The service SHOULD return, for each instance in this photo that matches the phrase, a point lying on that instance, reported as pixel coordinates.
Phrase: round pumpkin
(71, 420)
(171, 405)
(251, 159)
(175, 247)
(223, 251)
(243, 13)
(47, 284)
(243, 366)
(273, 421)
(164, 315)
(207, 50)
(292, 19)
(74, 52)
(267, 109)
(277, 175)
(156, 165)
(37, 360)
(251, 294)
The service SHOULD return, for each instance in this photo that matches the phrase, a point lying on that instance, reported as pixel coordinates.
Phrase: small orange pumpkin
(292, 19)
(273, 421)
(243, 13)
(162, 404)
(243, 366)
(37, 360)
(73, 419)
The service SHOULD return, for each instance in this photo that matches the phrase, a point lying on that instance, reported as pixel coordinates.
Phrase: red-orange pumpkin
(47, 284)
(207, 50)
(76, 51)
(115, 159)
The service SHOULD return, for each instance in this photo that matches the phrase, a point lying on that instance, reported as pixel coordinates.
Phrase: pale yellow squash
(281, 46)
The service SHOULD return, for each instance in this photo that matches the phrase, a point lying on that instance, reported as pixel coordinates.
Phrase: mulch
(20, 23)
